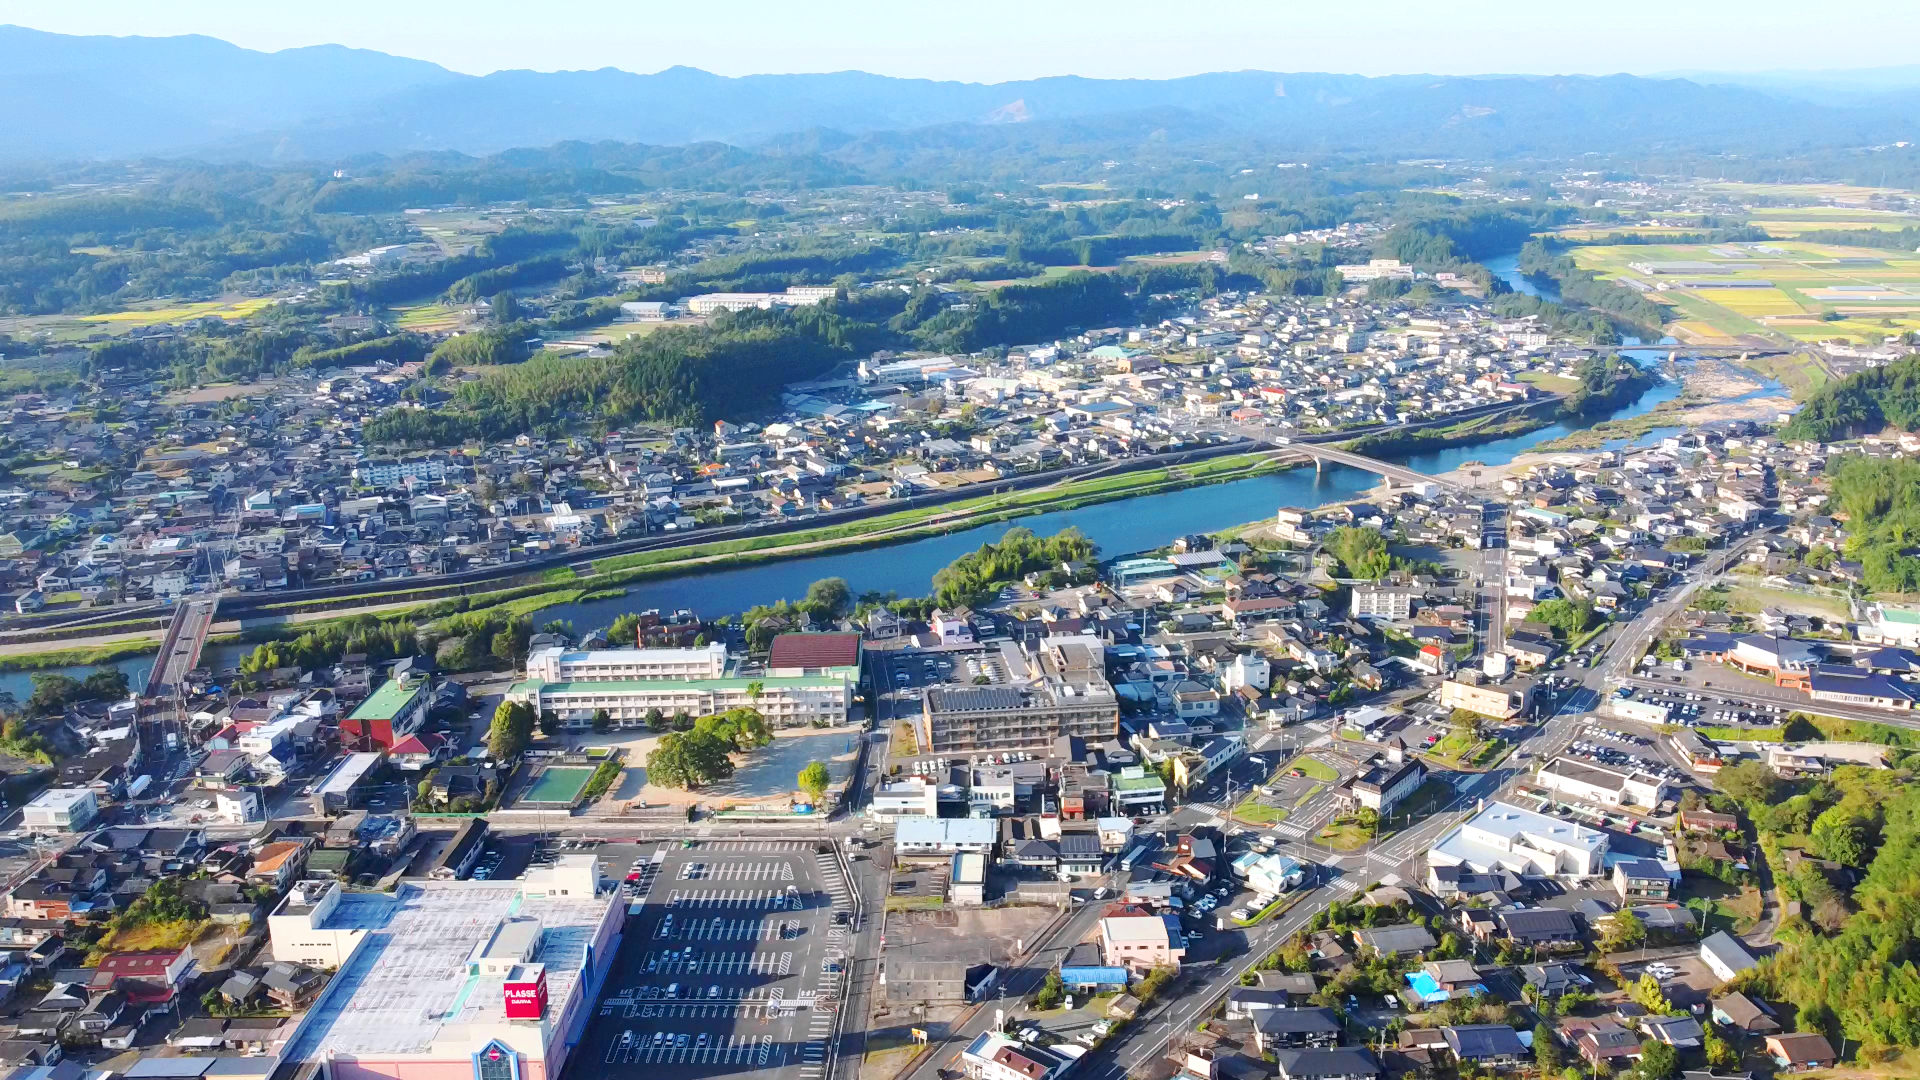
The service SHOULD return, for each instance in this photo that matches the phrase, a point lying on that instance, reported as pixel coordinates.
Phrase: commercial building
(1142, 942)
(1137, 790)
(824, 699)
(1499, 702)
(944, 837)
(967, 880)
(1505, 837)
(1646, 712)
(69, 809)
(557, 665)
(340, 791)
(1384, 784)
(393, 712)
(1269, 874)
(487, 980)
(1594, 782)
(913, 797)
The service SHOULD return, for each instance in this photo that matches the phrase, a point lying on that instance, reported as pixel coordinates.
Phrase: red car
(635, 876)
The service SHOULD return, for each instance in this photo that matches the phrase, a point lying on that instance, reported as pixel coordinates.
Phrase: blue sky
(996, 40)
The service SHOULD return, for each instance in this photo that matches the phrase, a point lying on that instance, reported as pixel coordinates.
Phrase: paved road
(1199, 990)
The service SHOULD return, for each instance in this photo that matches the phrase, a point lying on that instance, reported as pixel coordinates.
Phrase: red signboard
(527, 999)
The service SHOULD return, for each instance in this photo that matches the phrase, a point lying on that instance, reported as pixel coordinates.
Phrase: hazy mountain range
(104, 97)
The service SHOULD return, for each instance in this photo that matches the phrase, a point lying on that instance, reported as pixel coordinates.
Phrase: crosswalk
(749, 899)
(673, 1048)
(1343, 886)
(1288, 828)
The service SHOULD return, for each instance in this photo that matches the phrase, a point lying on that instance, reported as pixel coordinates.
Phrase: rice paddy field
(219, 309)
(1783, 290)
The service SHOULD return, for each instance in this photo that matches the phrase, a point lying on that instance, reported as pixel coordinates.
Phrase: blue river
(1135, 524)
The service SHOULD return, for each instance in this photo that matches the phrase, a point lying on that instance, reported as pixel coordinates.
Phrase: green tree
(1051, 992)
(603, 721)
(512, 729)
(1721, 1054)
(549, 722)
(656, 720)
(830, 599)
(690, 759)
(625, 631)
(1842, 835)
(1362, 552)
(1658, 1061)
(814, 780)
(1625, 930)
(1546, 1052)
(1569, 617)
(1752, 782)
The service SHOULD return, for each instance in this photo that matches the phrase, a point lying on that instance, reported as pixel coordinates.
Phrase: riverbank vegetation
(974, 578)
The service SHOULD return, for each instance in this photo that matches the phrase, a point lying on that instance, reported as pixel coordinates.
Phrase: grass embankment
(95, 654)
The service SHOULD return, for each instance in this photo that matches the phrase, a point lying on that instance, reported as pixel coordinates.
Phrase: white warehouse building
(1506, 837)
(1600, 783)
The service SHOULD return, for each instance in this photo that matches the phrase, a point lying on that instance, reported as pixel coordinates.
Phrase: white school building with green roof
(785, 702)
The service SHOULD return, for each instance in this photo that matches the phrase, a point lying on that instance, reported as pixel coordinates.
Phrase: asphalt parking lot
(730, 945)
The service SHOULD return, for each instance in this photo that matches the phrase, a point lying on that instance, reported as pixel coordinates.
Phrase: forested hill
(1862, 404)
(737, 365)
(102, 97)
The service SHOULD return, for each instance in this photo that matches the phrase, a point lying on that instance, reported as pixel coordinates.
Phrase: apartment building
(1061, 689)
(1389, 602)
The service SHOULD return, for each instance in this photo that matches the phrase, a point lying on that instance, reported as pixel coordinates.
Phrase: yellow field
(427, 317)
(1752, 302)
(220, 309)
(1807, 191)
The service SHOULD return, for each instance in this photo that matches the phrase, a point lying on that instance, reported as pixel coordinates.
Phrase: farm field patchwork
(1784, 290)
